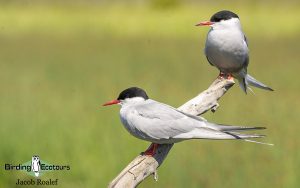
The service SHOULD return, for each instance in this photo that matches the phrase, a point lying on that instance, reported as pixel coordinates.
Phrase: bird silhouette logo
(35, 165)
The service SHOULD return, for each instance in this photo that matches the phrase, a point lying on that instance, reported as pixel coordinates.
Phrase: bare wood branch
(143, 166)
(208, 99)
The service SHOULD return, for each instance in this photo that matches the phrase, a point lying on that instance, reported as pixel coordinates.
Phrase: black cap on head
(223, 15)
(133, 92)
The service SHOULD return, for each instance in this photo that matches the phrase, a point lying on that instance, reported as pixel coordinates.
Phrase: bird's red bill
(111, 102)
(206, 23)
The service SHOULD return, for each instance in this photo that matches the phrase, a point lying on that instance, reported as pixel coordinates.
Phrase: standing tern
(160, 123)
(226, 48)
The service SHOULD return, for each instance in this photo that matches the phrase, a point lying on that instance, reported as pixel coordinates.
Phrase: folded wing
(165, 124)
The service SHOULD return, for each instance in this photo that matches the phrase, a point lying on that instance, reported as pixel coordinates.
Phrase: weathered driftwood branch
(143, 166)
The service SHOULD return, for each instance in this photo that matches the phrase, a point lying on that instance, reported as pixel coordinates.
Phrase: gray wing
(162, 122)
(246, 40)
(209, 61)
(247, 58)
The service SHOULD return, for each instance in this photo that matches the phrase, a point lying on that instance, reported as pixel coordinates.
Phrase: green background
(60, 60)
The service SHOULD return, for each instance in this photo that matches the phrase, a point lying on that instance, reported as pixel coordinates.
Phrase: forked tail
(234, 131)
(249, 80)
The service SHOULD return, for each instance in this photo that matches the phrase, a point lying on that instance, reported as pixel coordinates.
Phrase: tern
(160, 123)
(226, 48)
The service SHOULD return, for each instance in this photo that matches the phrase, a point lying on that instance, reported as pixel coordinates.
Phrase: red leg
(151, 150)
(226, 76)
(230, 77)
(222, 75)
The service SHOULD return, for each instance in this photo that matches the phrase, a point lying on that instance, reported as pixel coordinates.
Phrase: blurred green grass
(142, 21)
(60, 63)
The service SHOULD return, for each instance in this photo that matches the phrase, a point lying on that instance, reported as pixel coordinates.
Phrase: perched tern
(160, 123)
(226, 48)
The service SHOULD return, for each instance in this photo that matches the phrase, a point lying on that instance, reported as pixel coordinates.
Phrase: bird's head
(132, 94)
(222, 20)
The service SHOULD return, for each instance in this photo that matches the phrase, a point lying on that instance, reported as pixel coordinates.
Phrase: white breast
(226, 49)
(126, 115)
